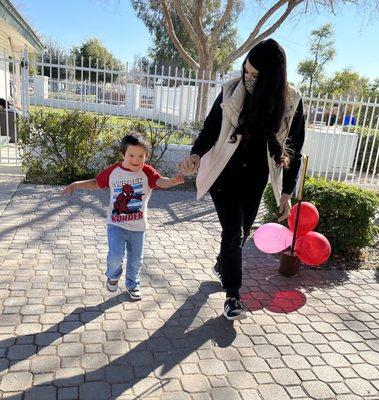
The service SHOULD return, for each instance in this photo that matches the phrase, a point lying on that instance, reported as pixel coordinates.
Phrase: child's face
(134, 158)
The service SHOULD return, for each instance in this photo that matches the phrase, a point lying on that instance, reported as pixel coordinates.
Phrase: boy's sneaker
(135, 293)
(216, 271)
(234, 309)
(112, 285)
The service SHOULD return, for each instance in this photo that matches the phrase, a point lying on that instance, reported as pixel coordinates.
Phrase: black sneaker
(112, 285)
(234, 309)
(135, 293)
(216, 271)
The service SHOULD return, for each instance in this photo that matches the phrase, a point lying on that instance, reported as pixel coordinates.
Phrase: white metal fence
(342, 135)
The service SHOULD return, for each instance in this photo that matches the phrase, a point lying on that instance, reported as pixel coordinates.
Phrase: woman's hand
(285, 206)
(190, 164)
(284, 162)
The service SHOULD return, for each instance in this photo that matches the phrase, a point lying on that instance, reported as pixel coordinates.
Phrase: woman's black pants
(236, 212)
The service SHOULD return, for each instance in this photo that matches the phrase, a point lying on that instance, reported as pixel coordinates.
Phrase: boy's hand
(178, 179)
(69, 189)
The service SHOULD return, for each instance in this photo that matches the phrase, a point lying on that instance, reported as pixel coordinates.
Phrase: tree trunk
(204, 77)
(310, 85)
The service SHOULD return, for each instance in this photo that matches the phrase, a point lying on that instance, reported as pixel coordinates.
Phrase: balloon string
(296, 226)
(300, 198)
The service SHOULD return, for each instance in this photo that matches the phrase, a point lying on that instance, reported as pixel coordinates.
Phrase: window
(146, 101)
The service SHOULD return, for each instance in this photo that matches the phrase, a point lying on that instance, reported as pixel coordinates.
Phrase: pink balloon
(272, 238)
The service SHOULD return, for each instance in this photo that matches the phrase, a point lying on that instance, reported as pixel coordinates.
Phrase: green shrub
(158, 138)
(347, 213)
(180, 135)
(61, 148)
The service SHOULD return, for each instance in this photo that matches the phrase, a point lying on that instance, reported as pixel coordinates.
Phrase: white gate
(342, 134)
(14, 103)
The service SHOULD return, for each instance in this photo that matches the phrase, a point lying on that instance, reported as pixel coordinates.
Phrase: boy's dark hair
(133, 139)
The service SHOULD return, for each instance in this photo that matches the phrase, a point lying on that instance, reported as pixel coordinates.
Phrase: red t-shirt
(129, 194)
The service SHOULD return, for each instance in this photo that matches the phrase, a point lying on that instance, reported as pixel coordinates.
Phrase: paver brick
(224, 394)
(43, 364)
(285, 376)
(318, 390)
(255, 364)
(81, 342)
(16, 381)
(41, 393)
(361, 387)
(94, 391)
(69, 393)
(195, 383)
(273, 391)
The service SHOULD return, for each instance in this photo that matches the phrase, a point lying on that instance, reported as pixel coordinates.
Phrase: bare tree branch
(266, 17)
(197, 19)
(170, 29)
(188, 26)
(291, 5)
(255, 36)
(221, 23)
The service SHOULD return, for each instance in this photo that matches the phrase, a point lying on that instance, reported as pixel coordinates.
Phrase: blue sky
(70, 22)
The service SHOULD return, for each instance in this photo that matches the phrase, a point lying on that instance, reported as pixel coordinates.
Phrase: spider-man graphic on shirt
(121, 205)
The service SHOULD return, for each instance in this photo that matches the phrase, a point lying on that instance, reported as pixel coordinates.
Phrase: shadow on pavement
(165, 348)
(264, 288)
(57, 331)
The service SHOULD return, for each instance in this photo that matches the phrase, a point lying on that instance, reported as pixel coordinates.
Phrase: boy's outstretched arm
(165, 183)
(89, 184)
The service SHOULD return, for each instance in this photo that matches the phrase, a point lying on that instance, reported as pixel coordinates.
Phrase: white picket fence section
(342, 135)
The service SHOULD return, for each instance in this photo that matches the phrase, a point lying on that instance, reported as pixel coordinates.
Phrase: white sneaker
(134, 293)
(112, 285)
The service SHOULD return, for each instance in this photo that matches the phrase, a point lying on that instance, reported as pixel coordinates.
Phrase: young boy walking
(130, 183)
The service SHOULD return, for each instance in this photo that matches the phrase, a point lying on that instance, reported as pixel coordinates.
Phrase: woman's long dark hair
(263, 109)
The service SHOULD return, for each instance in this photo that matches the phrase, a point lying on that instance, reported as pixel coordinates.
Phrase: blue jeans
(123, 242)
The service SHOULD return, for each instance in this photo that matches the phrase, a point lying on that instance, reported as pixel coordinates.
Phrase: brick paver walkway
(62, 336)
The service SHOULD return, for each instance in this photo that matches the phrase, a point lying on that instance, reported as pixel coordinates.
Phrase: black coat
(211, 131)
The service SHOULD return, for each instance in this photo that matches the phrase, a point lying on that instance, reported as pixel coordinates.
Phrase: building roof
(17, 28)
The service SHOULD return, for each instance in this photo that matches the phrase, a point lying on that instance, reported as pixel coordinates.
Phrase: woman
(254, 130)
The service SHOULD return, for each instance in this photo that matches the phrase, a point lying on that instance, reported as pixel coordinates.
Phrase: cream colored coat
(215, 160)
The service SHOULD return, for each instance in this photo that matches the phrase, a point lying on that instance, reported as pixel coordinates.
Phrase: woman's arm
(211, 130)
(89, 184)
(295, 143)
(206, 139)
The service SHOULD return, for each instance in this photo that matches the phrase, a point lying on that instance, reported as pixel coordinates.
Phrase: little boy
(130, 183)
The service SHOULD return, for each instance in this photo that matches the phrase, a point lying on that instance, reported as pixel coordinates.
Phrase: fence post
(25, 82)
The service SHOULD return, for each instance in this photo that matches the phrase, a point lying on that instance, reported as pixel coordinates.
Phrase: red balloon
(308, 218)
(313, 248)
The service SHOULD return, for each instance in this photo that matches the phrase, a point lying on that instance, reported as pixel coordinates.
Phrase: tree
(373, 89)
(346, 83)
(322, 51)
(164, 52)
(204, 28)
(92, 53)
(350, 83)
